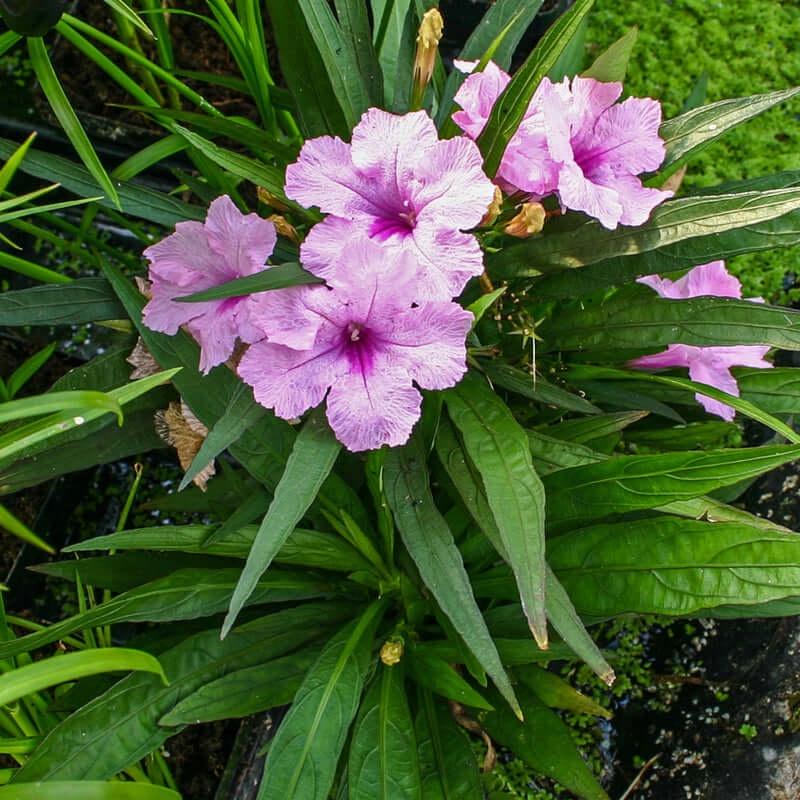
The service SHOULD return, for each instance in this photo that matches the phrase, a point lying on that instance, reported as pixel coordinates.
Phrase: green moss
(746, 47)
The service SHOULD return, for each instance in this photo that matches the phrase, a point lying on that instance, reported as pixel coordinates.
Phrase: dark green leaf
(86, 790)
(84, 300)
(510, 108)
(582, 431)
(302, 758)
(555, 692)
(383, 756)
(312, 459)
(499, 448)
(354, 19)
(438, 676)
(612, 64)
(186, 594)
(430, 543)
(674, 566)
(121, 726)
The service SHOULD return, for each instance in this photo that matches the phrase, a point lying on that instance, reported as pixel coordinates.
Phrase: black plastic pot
(32, 17)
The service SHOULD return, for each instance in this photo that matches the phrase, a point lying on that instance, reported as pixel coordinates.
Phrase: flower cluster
(393, 252)
(576, 142)
(709, 365)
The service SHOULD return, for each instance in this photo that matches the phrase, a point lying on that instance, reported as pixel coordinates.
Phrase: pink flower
(363, 342)
(575, 141)
(398, 184)
(199, 256)
(710, 365)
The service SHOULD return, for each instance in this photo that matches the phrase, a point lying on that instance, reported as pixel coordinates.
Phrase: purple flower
(575, 141)
(199, 256)
(710, 365)
(397, 184)
(363, 342)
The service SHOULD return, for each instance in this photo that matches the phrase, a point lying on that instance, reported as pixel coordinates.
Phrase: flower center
(359, 347)
(397, 221)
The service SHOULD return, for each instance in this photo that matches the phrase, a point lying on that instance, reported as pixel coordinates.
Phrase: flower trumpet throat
(428, 38)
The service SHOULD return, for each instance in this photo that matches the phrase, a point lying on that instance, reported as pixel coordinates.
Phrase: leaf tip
(608, 677)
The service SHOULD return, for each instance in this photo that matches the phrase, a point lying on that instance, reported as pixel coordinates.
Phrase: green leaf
(305, 72)
(690, 132)
(120, 726)
(671, 223)
(612, 64)
(394, 42)
(543, 742)
(501, 29)
(246, 691)
(776, 390)
(277, 277)
(551, 454)
(302, 758)
(83, 300)
(40, 61)
(13, 162)
(537, 389)
(33, 433)
(559, 609)
(583, 431)
(308, 548)
(137, 201)
(123, 9)
(448, 767)
(239, 417)
(664, 565)
(439, 677)
(430, 543)
(69, 667)
(59, 401)
(16, 527)
(555, 692)
(312, 459)
(186, 594)
(87, 790)
(499, 448)
(484, 303)
(651, 323)
(780, 231)
(28, 368)
(382, 764)
(631, 483)
(354, 19)
(510, 108)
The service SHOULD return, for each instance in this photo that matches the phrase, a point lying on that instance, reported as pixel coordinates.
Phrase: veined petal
(429, 343)
(707, 368)
(290, 381)
(477, 96)
(245, 241)
(447, 259)
(216, 332)
(676, 355)
(285, 318)
(636, 201)
(185, 259)
(368, 414)
(577, 192)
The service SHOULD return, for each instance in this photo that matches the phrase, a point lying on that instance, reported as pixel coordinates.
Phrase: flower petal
(216, 332)
(579, 193)
(166, 316)
(184, 258)
(707, 368)
(636, 201)
(324, 176)
(453, 185)
(366, 415)
(284, 316)
(290, 381)
(477, 95)
(447, 260)
(428, 342)
(245, 241)
(709, 279)
(326, 243)
(676, 355)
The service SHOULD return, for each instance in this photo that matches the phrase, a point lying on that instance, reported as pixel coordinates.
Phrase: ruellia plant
(452, 367)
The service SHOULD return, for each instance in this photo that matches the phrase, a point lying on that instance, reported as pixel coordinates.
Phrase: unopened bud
(284, 228)
(268, 199)
(528, 222)
(495, 207)
(430, 33)
(391, 652)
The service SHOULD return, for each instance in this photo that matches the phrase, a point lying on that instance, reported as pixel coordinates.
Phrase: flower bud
(430, 33)
(528, 222)
(495, 207)
(391, 652)
(32, 17)
(268, 199)
(284, 228)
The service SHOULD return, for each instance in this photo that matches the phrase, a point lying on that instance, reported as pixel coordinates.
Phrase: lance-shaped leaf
(543, 742)
(651, 323)
(632, 483)
(499, 448)
(312, 459)
(302, 758)
(87, 790)
(509, 110)
(674, 565)
(83, 300)
(383, 756)
(780, 231)
(121, 726)
(72, 667)
(689, 133)
(430, 543)
(612, 64)
(670, 223)
(186, 594)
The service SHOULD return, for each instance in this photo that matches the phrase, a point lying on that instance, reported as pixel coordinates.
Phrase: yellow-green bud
(391, 652)
(528, 222)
